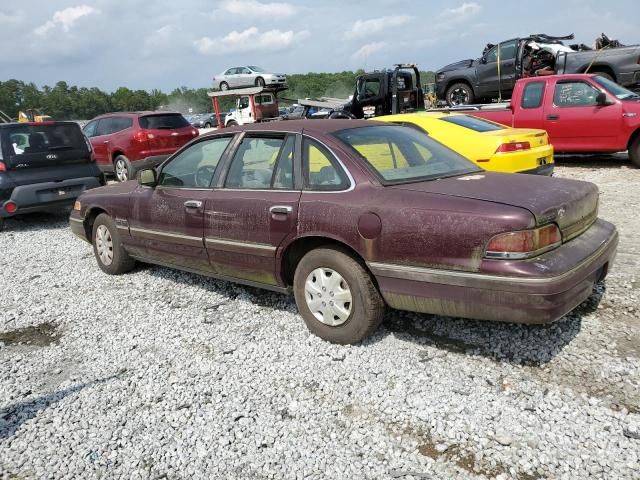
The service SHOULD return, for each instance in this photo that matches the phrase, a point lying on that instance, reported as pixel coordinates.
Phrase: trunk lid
(571, 204)
(166, 130)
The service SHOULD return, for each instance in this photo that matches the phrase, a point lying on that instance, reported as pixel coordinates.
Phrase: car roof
(48, 122)
(319, 126)
(134, 114)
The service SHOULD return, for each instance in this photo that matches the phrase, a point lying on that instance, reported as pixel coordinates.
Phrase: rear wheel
(336, 296)
(604, 75)
(634, 151)
(111, 256)
(207, 125)
(459, 94)
(224, 86)
(342, 114)
(122, 168)
(260, 82)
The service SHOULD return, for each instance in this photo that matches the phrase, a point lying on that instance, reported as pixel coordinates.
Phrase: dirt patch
(41, 335)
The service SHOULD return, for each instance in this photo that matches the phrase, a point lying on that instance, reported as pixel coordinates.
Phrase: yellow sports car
(491, 145)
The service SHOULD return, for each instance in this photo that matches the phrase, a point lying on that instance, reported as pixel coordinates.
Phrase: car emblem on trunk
(52, 156)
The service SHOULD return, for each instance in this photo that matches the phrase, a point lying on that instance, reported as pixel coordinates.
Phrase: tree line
(65, 102)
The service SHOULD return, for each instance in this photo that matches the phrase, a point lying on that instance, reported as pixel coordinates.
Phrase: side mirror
(483, 59)
(602, 100)
(147, 178)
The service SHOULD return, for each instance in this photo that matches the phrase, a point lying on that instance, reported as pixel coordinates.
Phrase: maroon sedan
(352, 216)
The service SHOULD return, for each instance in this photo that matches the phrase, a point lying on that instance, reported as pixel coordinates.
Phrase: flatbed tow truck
(256, 104)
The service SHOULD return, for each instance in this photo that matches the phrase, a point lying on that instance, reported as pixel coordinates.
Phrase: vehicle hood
(114, 189)
(462, 64)
(563, 201)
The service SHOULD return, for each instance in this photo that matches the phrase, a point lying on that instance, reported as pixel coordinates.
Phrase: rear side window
(41, 144)
(105, 126)
(163, 122)
(121, 123)
(532, 95)
(473, 123)
(321, 171)
(262, 163)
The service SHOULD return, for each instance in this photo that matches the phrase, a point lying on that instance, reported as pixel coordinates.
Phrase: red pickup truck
(581, 113)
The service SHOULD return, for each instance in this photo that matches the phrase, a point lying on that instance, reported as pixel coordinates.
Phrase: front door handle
(281, 209)
(553, 117)
(193, 204)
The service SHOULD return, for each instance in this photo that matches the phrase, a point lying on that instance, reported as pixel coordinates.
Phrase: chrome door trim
(234, 246)
(166, 237)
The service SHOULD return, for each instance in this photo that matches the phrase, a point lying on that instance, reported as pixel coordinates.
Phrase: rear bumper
(541, 170)
(42, 196)
(533, 299)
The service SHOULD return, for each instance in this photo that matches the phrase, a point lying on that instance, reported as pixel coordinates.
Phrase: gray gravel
(161, 374)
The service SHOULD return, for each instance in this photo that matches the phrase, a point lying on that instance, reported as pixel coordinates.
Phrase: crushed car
(493, 75)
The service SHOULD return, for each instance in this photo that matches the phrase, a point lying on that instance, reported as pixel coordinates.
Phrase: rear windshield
(164, 121)
(41, 143)
(473, 123)
(399, 154)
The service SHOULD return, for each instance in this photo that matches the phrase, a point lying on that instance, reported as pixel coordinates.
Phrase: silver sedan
(249, 76)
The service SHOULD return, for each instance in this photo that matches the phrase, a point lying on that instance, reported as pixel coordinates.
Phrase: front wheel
(111, 256)
(122, 168)
(459, 94)
(232, 123)
(634, 151)
(207, 125)
(260, 82)
(336, 296)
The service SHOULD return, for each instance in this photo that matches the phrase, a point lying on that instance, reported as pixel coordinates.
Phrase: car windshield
(163, 121)
(476, 124)
(621, 93)
(257, 69)
(399, 154)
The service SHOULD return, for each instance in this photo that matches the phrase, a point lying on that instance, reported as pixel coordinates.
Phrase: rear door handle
(281, 209)
(193, 204)
(553, 117)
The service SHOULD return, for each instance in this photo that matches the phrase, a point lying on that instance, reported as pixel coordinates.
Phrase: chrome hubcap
(104, 245)
(121, 171)
(328, 296)
(459, 97)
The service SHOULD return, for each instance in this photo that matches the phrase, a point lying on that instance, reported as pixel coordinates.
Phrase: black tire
(232, 123)
(459, 94)
(342, 114)
(366, 308)
(224, 86)
(260, 82)
(634, 151)
(122, 168)
(604, 75)
(207, 125)
(1, 224)
(121, 261)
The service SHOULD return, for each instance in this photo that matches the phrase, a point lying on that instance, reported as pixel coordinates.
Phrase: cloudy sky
(168, 43)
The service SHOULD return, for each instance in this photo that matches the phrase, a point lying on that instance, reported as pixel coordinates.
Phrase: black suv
(43, 165)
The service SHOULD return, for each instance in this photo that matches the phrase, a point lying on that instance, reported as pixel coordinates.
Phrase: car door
(234, 78)
(254, 209)
(493, 81)
(247, 78)
(244, 110)
(575, 121)
(100, 141)
(167, 220)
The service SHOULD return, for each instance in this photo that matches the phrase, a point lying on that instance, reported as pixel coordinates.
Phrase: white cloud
(65, 19)
(258, 9)
(248, 40)
(8, 18)
(363, 28)
(465, 10)
(365, 51)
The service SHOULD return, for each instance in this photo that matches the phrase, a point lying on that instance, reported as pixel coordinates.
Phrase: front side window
(400, 155)
(262, 163)
(532, 96)
(574, 94)
(369, 88)
(507, 51)
(321, 171)
(195, 166)
(90, 129)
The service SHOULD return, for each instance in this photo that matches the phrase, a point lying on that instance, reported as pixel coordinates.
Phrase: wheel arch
(115, 154)
(89, 219)
(297, 249)
(600, 68)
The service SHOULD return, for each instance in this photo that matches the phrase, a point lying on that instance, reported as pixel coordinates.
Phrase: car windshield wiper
(628, 96)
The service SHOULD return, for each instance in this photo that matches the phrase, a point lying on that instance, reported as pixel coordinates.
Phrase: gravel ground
(161, 374)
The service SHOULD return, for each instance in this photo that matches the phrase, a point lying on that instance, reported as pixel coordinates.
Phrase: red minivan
(125, 143)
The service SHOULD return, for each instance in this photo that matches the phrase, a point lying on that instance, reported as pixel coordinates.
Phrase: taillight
(3, 167)
(524, 243)
(513, 147)
(10, 207)
(194, 132)
(141, 136)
